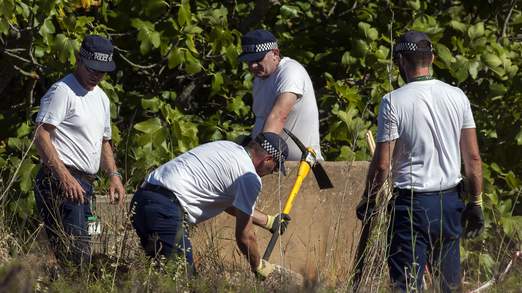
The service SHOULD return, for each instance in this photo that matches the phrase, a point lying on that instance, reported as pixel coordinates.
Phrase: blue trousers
(425, 229)
(159, 223)
(65, 220)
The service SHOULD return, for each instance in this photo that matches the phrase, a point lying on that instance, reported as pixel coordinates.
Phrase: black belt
(75, 172)
(408, 192)
(159, 189)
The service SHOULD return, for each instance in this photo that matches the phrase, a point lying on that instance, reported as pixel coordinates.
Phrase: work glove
(264, 269)
(365, 208)
(273, 223)
(472, 220)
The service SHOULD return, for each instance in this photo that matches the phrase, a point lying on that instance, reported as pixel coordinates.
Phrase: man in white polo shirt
(72, 137)
(425, 131)
(283, 93)
(200, 184)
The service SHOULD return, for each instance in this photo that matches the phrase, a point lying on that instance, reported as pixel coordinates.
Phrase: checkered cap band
(273, 151)
(411, 47)
(97, 56)
(259, 47)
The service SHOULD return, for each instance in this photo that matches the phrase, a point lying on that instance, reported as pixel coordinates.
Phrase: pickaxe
(308, 161)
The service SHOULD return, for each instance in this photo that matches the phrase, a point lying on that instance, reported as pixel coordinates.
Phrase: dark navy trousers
(65, 220)
(425, 229)
(159, 222)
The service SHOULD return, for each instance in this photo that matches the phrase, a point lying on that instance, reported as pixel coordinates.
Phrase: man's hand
(264, 269)
(71, 187)
(472, 220)
(365, 208)
(116, 187)
(277, 222)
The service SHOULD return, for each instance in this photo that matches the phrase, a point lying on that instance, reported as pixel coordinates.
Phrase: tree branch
(136, 65)
(506, 22)
(8, 53)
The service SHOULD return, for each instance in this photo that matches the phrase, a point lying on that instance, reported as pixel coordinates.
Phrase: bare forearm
(379, 168)
(107, 158)
(275, 123)
(47, 152)
(474, 176)
(472, 161)
(375, 180)
(276, 120)
(258, 218)
(247, 243)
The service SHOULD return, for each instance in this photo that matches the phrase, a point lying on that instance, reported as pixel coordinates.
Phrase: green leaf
(149, 126)
(360, 48)
(184, 14)
(512, 225)
(192, 64)
(496, 168)
(457, 25)
(239, 107)
(491, 60)
(189, 42)
(47, 28)
(153, 104)
(4, 26)
(367, 30)
(518, 138)
(476, 31)
(15, 143)
(26, 176)
(347, 59)
(193, 29)
(176, 57)
(459, 69)
(486, 263)
(7, 8)
(66, 48)
(217, 82)
(473, 69)
(512, 180)
(414, 4)
(147, 35)
(497, 89)
(289, 11)
(382, 52)
(23, 130)
(444, 54)
(39, 51)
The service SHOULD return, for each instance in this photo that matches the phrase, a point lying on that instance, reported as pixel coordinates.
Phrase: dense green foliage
(179, 84)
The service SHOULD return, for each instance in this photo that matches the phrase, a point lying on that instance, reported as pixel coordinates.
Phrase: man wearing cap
(424, 128)
(72, 138)
(200, 184)
(283, 94)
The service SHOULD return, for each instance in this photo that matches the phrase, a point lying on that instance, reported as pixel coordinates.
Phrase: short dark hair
(418, 59)
(256, 147)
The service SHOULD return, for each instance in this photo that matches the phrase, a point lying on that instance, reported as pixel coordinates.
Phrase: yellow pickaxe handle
(304, 169)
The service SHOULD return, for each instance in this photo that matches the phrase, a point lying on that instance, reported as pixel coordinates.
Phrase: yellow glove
(273, 223)
(264, 269)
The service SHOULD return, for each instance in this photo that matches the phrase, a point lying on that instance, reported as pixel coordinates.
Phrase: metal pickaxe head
(309, 156)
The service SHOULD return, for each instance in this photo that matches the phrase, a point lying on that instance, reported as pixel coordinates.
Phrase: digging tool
(308, 161)
(365, 231)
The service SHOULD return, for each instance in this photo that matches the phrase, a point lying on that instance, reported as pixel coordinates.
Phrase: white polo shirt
(303, 119)
(209, 179)
(82, 120)
(426, 119)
